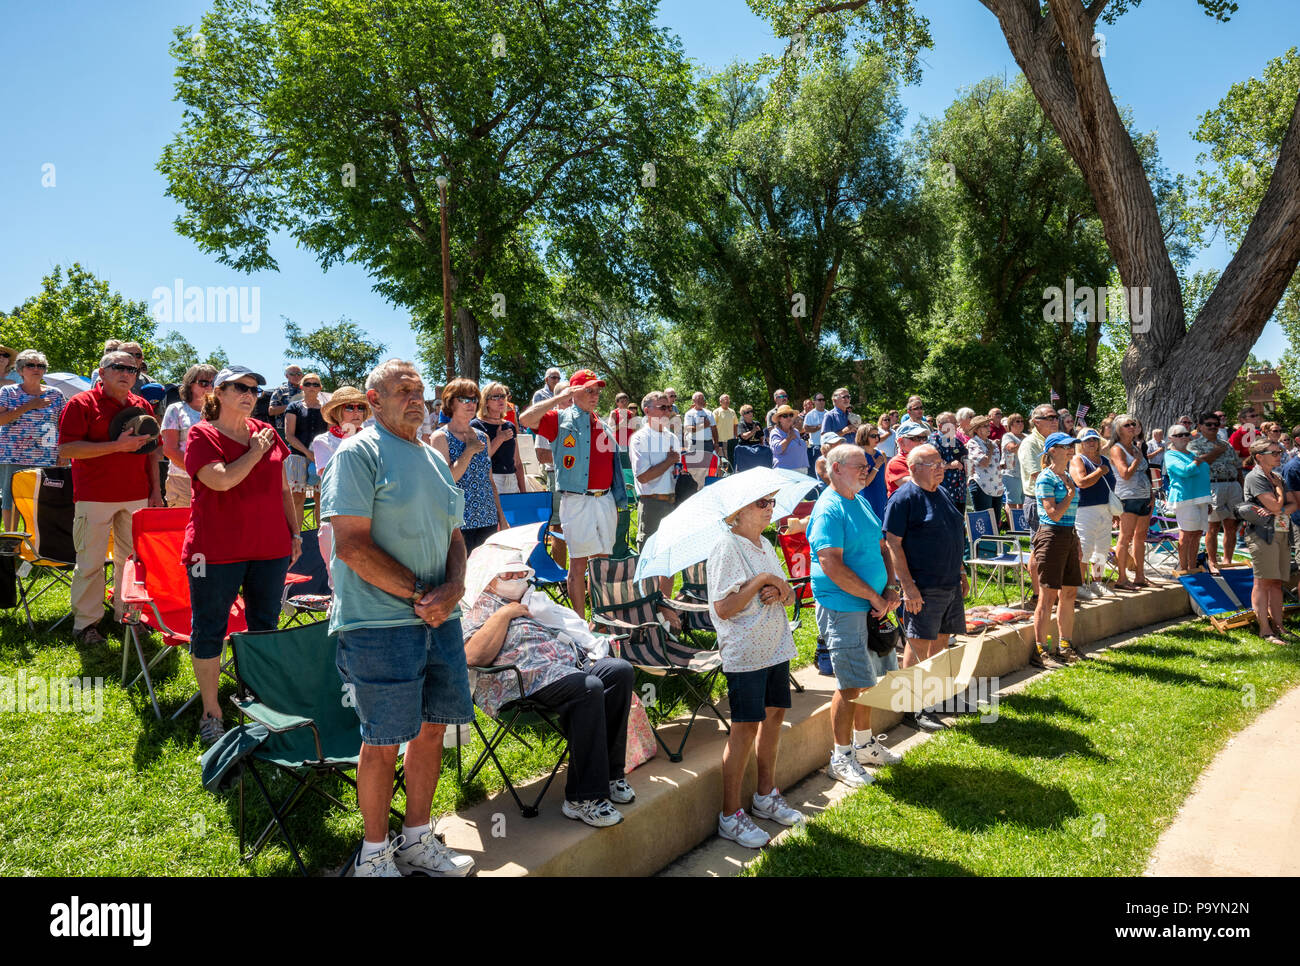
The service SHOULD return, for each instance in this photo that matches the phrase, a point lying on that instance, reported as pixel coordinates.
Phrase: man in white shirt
(655, 453)
(812, 421)
(701, 428)
(553, 377)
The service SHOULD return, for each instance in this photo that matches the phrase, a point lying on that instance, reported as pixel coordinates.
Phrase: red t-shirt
(243, 523)
(621, 418)
(1241, 439)
(996, 432)
(896, 473)
(600, 467)
(511, 416)
(114, 477)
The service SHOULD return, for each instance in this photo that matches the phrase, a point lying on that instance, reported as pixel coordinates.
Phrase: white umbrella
(67, 383)
(688, 534)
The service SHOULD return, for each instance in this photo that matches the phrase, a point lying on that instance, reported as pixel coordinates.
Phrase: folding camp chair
(44, 547)
(798, 561)
(156, 594)
(523, 508)
(748, 457)
(627, 605)
(1224, 599)
(982, 530)
(510, 718)
(288, 683)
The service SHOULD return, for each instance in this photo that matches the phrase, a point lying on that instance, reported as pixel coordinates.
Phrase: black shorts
(751, 693)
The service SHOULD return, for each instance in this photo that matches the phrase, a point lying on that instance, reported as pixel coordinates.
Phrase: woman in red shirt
(242, 532)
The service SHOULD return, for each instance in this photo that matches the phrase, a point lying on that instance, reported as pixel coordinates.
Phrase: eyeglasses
(1179, 435)
(781, 395)
(355, 407)
(35, 365)
(859, 467)
(467, 399)
(873, 436)
(243, 388)
(121, 367)
(926, 464)
(311, 385)
(1273, 452)
(914, 408)
(785, 416)
(1210, 425)
(1053, 418)
(202, 382)
(496, 395)
(820, 399)
(765, 503)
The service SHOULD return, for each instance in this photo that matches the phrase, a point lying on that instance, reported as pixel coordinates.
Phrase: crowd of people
(409, 498)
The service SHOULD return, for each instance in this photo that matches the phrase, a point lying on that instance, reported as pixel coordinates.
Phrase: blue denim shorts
(751, 693)
(845, 634)
(404, 676)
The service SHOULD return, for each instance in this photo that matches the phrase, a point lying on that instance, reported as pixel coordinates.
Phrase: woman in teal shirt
(1189, 493)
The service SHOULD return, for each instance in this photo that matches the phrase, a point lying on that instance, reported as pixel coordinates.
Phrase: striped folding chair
(628, 606)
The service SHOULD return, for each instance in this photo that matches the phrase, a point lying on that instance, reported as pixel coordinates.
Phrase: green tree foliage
(330, 120)
(72, 317)
(802, 249)
(174, 354)
(341, 353)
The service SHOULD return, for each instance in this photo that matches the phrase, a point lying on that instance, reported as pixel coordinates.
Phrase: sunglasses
(1179, 435)
(311, 385)
(913, 409)
(496, 395)
(35, 365)
(873, 436)
(244, 389)
(202, 382)
(355, 407)
(122, 367)
(467, 399)
(1049, 419)
(766, 503)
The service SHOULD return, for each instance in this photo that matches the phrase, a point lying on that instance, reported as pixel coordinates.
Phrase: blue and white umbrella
(688, 534)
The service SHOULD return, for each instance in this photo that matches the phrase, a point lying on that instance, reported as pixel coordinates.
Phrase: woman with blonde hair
(465, 450)
(507, 467)
(176, 424)
(1133, 486)
(303, 422)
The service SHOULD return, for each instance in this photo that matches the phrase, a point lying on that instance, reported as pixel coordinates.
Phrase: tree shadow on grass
(1157, 650)
(974, 799)
(1041, 704)
(1162, 675)
(828, 853)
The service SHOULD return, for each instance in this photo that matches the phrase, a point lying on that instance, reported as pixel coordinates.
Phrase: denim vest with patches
(572, 454)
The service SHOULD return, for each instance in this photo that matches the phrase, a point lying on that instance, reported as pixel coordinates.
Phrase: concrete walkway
(1243, 816)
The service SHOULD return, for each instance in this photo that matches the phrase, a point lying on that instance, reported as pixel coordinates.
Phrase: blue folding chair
(1019, 522)
(1223, 598)
(747, 457)
(521, 508)
(525, 508)
(982, 529)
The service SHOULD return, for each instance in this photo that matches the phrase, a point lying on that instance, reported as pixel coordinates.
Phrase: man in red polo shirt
(110, 481)
(587, 474)
(897, 472)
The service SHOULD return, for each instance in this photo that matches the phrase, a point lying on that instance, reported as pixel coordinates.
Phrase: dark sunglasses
(496, 395)
(765, 503)
(122, 367)
(467, 399)
(355, 407)
(35, 365)
(243, 388)
(311, 385)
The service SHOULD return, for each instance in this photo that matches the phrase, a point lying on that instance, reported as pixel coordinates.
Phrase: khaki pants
(91, 525)
(178, 490)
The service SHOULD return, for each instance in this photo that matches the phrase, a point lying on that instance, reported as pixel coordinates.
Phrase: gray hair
(382, 373)
(965, 413)
(842, 453)
(916, 454)
(651, 399)
(111, 357)
(1043, 409)
(30, 355)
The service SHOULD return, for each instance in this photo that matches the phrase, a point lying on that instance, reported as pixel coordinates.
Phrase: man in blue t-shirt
(852, 581)
(837, 419)
(924, 530)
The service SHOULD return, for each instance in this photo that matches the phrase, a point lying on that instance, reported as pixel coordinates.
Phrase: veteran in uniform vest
(587, 473)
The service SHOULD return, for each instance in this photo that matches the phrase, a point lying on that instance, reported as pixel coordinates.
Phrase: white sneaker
(1100, 589)
(845, 768)
(620, 792)
(596, 812)
(380, 865)
(740, 828)
(428, 856)
(776, 808)
(1083, 593)
(874, 752)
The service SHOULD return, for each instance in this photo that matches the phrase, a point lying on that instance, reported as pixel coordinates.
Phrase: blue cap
(1059, 439)
(1089, 434)
(153, 391)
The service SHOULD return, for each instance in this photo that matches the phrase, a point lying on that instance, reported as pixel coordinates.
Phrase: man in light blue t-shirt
(853, 585)
(398, 565)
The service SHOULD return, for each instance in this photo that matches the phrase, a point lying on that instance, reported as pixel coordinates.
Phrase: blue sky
(90, 92)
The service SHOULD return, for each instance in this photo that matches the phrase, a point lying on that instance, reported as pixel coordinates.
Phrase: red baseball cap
(585, 377)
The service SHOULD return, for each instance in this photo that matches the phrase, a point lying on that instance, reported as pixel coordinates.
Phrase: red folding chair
(156, 593)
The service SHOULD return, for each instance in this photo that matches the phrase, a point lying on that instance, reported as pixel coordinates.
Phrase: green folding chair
(304, 724)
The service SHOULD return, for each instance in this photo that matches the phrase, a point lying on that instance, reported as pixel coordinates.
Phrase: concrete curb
(677, 804)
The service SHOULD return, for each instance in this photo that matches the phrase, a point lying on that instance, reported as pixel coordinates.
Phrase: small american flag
(1055, 397)
(1080, 412)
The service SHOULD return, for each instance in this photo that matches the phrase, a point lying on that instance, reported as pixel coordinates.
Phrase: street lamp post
(446, 279)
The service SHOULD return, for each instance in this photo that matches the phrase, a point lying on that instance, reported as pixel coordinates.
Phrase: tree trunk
(468, 351)
(1169, 369)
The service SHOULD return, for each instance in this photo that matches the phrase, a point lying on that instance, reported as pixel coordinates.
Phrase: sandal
(1123, 585)
(1277, 641)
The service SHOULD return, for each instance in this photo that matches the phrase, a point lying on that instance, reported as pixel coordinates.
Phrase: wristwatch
(421, 588)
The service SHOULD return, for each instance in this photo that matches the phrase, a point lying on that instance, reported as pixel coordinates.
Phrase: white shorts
(1093, 526)
(506, 482)
(589, 523)
(1193, 516)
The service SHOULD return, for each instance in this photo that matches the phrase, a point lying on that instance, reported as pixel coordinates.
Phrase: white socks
(413, 835)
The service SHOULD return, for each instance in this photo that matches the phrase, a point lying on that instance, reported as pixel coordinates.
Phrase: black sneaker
(923, 721)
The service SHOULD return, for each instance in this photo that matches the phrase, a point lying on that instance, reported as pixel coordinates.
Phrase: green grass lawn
(1079, 774)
